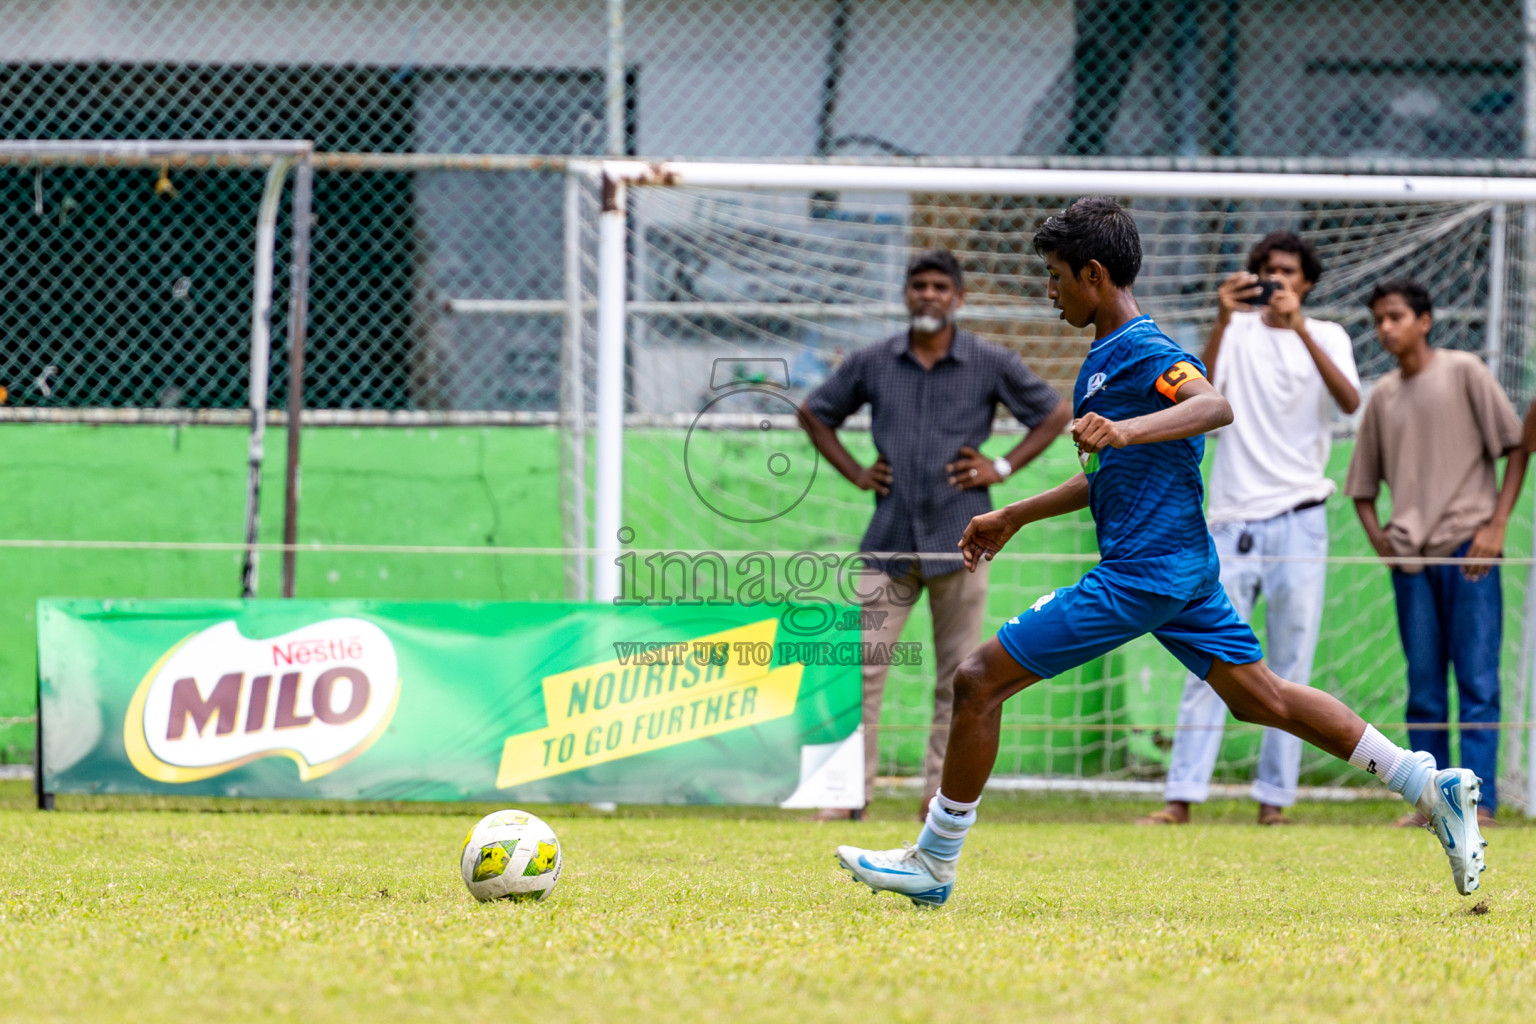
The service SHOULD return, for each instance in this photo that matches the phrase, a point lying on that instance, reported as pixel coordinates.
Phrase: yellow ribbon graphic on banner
(656, 696)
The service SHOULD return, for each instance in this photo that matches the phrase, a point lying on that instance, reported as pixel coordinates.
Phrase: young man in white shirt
(1284, 374)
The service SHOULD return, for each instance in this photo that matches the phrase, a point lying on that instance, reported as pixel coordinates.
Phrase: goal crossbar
(1053, 181)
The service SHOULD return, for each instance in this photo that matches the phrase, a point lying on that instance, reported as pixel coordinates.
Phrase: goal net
(142, 287)
(743, 286)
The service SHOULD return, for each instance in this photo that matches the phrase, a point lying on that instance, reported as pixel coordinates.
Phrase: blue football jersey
(1147, 500)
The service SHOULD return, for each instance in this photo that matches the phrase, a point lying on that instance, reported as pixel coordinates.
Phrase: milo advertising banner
(387, 700)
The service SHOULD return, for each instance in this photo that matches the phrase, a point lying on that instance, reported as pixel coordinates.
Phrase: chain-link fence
(784, 78)
(130, 288)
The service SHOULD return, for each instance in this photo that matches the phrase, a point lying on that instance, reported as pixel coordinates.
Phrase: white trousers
(1292, 592)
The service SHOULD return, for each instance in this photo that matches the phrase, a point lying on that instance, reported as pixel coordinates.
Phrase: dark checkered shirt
(919, 419)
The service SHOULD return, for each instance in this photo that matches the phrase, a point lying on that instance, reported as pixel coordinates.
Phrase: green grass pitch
(210, 910)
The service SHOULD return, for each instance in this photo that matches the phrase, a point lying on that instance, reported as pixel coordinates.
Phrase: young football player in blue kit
(1142, 407)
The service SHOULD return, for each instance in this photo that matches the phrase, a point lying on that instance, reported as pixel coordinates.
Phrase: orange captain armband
(1175, 377)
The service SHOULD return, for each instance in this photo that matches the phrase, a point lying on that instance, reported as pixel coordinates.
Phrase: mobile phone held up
(1266, 288)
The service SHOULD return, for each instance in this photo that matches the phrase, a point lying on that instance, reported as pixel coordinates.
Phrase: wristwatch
(1003, 467)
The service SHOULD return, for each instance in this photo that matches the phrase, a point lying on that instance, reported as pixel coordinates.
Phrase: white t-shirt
(1274, 454)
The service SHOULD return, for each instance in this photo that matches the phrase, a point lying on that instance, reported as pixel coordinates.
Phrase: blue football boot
(921, 878)
(1450, 801)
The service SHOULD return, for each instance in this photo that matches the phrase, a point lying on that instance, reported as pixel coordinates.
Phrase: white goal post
(279, 157)
(618, 177)
(621, 182)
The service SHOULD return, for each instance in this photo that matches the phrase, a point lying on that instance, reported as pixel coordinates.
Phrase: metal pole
(1188, 53)
(1528, 24)
(615, 82)
(610, 389)
(1527, 322)
(1017, 181)
(44, 798)
(831, 83)
(574, 427)
(151, 152)
(1529, 676)
(298, 328)
(261, 355)
(1498, 270)
(610, 322)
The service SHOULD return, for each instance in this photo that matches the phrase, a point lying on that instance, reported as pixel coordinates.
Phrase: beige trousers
(958, 601)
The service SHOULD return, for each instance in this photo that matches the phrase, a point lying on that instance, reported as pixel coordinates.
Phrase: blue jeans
(1445, 618)
(1292, 592)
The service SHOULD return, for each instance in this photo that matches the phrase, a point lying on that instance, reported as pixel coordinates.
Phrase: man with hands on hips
(932, 391)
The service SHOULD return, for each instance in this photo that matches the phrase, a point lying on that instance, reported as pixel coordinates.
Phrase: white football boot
(1450, 801)
(921, 878)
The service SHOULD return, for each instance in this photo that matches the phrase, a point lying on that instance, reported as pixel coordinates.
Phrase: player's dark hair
(941, 260)
(1287, 241)
(1094, 228)
(1411, 292)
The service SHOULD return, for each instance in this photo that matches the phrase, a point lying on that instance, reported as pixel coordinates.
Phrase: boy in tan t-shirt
(1433, 429)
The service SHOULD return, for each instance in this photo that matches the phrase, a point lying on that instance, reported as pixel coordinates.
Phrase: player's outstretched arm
(986, 534)
(1198, 408)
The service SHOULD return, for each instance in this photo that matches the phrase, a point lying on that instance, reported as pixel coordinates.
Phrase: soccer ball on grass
(510, 855)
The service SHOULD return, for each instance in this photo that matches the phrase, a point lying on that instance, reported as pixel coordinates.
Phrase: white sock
(955, 806)
(1404, 771)
(1377, 754)
(944, 832)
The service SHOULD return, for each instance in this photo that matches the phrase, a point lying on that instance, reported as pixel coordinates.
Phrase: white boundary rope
(690, 553)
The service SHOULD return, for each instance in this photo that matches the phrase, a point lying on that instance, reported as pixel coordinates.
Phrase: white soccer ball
(510, 855)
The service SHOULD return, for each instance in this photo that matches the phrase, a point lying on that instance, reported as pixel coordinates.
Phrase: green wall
(499, 487)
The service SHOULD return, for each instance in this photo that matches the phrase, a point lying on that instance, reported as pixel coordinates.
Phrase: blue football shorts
(1098, 613)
